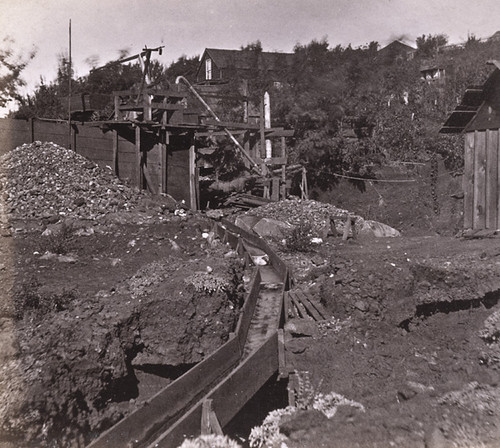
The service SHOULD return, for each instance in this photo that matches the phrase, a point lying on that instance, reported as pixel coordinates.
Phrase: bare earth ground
(97, 315)
(410, 341)
(89, 335)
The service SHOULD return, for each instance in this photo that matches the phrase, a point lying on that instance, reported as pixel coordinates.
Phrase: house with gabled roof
(220, 65)
(397, 50)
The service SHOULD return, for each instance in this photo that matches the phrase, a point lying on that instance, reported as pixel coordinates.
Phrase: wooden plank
(300, 308)
(319, 307)
(167, 106)
(289, 309)
(147, 422)
(248, 310)
(491, 179)
(163, 167)
(115, 152)
(280, 133)
(275, 189)
(209, 422)
(307, 305)
(479, 218)
(192, 178)
(229, 396)
(283, 370)
(292, 387)
(138, 159)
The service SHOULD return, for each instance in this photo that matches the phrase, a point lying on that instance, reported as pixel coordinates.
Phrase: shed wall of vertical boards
(481, 180)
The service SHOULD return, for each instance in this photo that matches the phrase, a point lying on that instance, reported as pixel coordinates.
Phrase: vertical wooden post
(192, 178)
(32, 129)
(115, 151)
(283, 169)
(117, 107)
(209, 421)
(148, 113)
(479, 221)
(283, 371)
(73, 138)
(491, 179)
(468, 180)
(138, 159)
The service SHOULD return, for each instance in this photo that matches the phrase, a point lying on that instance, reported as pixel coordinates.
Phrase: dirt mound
(89, 341)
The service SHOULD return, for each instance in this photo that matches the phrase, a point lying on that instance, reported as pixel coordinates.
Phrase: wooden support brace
(300, 308)
(283, 371)
(209, 422)
(288, 311)
(138, 159)
(348, 227)
(115, 152)
(309, 307)
(292, 387)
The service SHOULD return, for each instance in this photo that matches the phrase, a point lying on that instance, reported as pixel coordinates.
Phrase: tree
(430, 45)
(11, 67)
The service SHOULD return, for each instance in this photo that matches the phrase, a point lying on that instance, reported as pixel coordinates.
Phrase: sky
(101, 28)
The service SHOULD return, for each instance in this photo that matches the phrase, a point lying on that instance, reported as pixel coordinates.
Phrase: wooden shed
(478, 117)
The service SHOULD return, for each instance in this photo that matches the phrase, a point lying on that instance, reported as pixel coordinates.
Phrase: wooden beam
(138, 159)
(192, 178)
(468, 180)
(282, 368)
(283, 169)
(163, 165)
(149, 181)
(491, 179)
(479, 220)
(209, 422)
(115, 152)
(308, 306)
(231, 124)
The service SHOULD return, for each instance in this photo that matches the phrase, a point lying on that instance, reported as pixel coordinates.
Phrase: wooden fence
(168, 172)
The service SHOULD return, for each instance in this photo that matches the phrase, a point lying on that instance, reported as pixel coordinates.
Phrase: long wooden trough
(225, 380)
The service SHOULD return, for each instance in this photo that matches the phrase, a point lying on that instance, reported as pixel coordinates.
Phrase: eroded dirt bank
(413, 338)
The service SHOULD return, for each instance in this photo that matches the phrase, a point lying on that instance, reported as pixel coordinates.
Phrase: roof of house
(495, 36)
(396, 45)
(245, 59)
(469, 110)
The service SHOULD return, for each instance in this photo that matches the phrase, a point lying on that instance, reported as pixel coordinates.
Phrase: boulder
(302, 327)
(272, 228)
(247, 222)
(377, 230)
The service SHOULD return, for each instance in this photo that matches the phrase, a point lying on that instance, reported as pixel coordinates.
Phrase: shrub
(299, 239)
(58, 242)
(29, 298)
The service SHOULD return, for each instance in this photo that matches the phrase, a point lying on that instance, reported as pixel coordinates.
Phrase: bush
(299, 239)
(58, 242)
(30, 298)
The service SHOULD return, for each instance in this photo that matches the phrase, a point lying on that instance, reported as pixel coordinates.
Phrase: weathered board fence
(482, 180)
(168, 166)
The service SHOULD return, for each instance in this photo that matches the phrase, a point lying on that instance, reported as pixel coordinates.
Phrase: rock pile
(40, 180)
(296, 211)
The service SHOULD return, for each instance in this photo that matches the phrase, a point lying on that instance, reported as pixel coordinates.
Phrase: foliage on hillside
(352, 108)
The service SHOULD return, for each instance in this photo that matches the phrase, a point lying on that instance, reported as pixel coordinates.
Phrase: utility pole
(69, 89)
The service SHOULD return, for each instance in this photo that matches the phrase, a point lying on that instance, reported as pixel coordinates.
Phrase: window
(208, 69)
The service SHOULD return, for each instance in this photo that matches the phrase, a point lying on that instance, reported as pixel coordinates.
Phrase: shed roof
(246, 59)
(468, 114)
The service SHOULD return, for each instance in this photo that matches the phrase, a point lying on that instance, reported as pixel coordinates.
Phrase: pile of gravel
(40, 180)
(296, 211)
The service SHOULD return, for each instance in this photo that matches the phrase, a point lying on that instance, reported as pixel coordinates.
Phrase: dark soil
(407, 340)
(96, 318)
